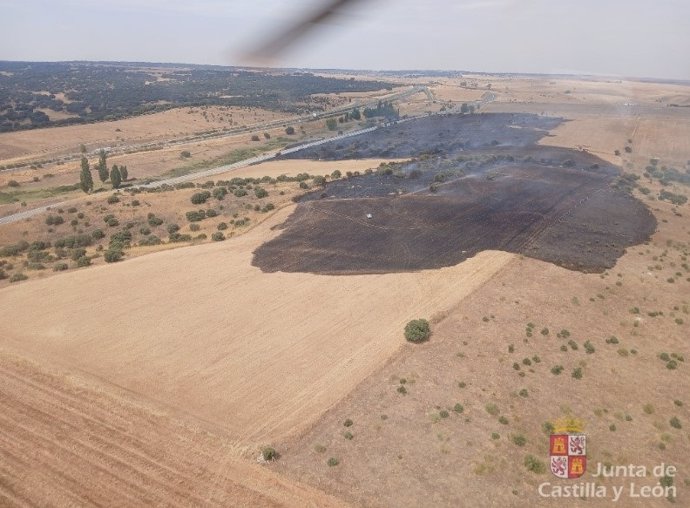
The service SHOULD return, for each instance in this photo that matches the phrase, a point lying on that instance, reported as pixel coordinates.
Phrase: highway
(244, 163)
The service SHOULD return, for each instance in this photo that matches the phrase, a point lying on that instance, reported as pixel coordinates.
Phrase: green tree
(115, 177)
(102, 166)
(464, 108)
(332, 124)
(123, 173)
(355, 114)
(290, 130)
(85, 178)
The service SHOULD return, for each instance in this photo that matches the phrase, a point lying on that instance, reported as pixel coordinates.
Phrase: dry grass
(286, 346)
(69, 440)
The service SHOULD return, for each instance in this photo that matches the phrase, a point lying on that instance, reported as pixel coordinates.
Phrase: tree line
(116, 174)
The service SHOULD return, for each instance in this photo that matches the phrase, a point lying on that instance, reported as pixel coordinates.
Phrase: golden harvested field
(68, 440)
(139, 129)
(260, 355)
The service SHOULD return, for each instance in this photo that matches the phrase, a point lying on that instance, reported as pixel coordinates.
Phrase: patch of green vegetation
(28, 195)
(534, 465)
(269, 453)
(519, 439)
(236, 155)
(417, 330)
(492, 409)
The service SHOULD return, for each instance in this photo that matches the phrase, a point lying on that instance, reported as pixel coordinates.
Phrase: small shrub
(556, 370)
(648, 409)
(503, 420)
(577, 373)
(194, 227)
(199, 198)
(154, 221)
(18, 277)
(589, 348)
(269, 453)
(443, 413)
(348, 435)
(195, 216)
(675, 423)
(112, 199)
(492, 409)
(519, 439)
(332, 462)
(112, 256)
(417, 330)
(54, 220)
(495, 436)
(218, 236)
(150, 240)
(458, 408)
(59, 267)
(348, 423)
(523, 393)
(534, 465)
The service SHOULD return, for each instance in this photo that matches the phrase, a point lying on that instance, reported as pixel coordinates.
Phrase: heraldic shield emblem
(568, 449)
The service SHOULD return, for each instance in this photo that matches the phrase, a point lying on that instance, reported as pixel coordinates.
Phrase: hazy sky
(613, 37)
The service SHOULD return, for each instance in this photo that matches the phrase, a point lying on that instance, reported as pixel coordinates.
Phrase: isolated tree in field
(355, 114)
(102, 166)
(123, 173)
(115, 177)
(417, 330)
(290, 130)
(85, 178)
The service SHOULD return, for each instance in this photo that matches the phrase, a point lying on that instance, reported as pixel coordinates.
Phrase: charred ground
(473, 183)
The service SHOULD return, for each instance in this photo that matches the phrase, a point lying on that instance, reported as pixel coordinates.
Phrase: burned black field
(458, 197)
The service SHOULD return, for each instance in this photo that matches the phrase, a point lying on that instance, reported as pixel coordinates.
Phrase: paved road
(199, 174)
(234, 131)
(220, 169)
